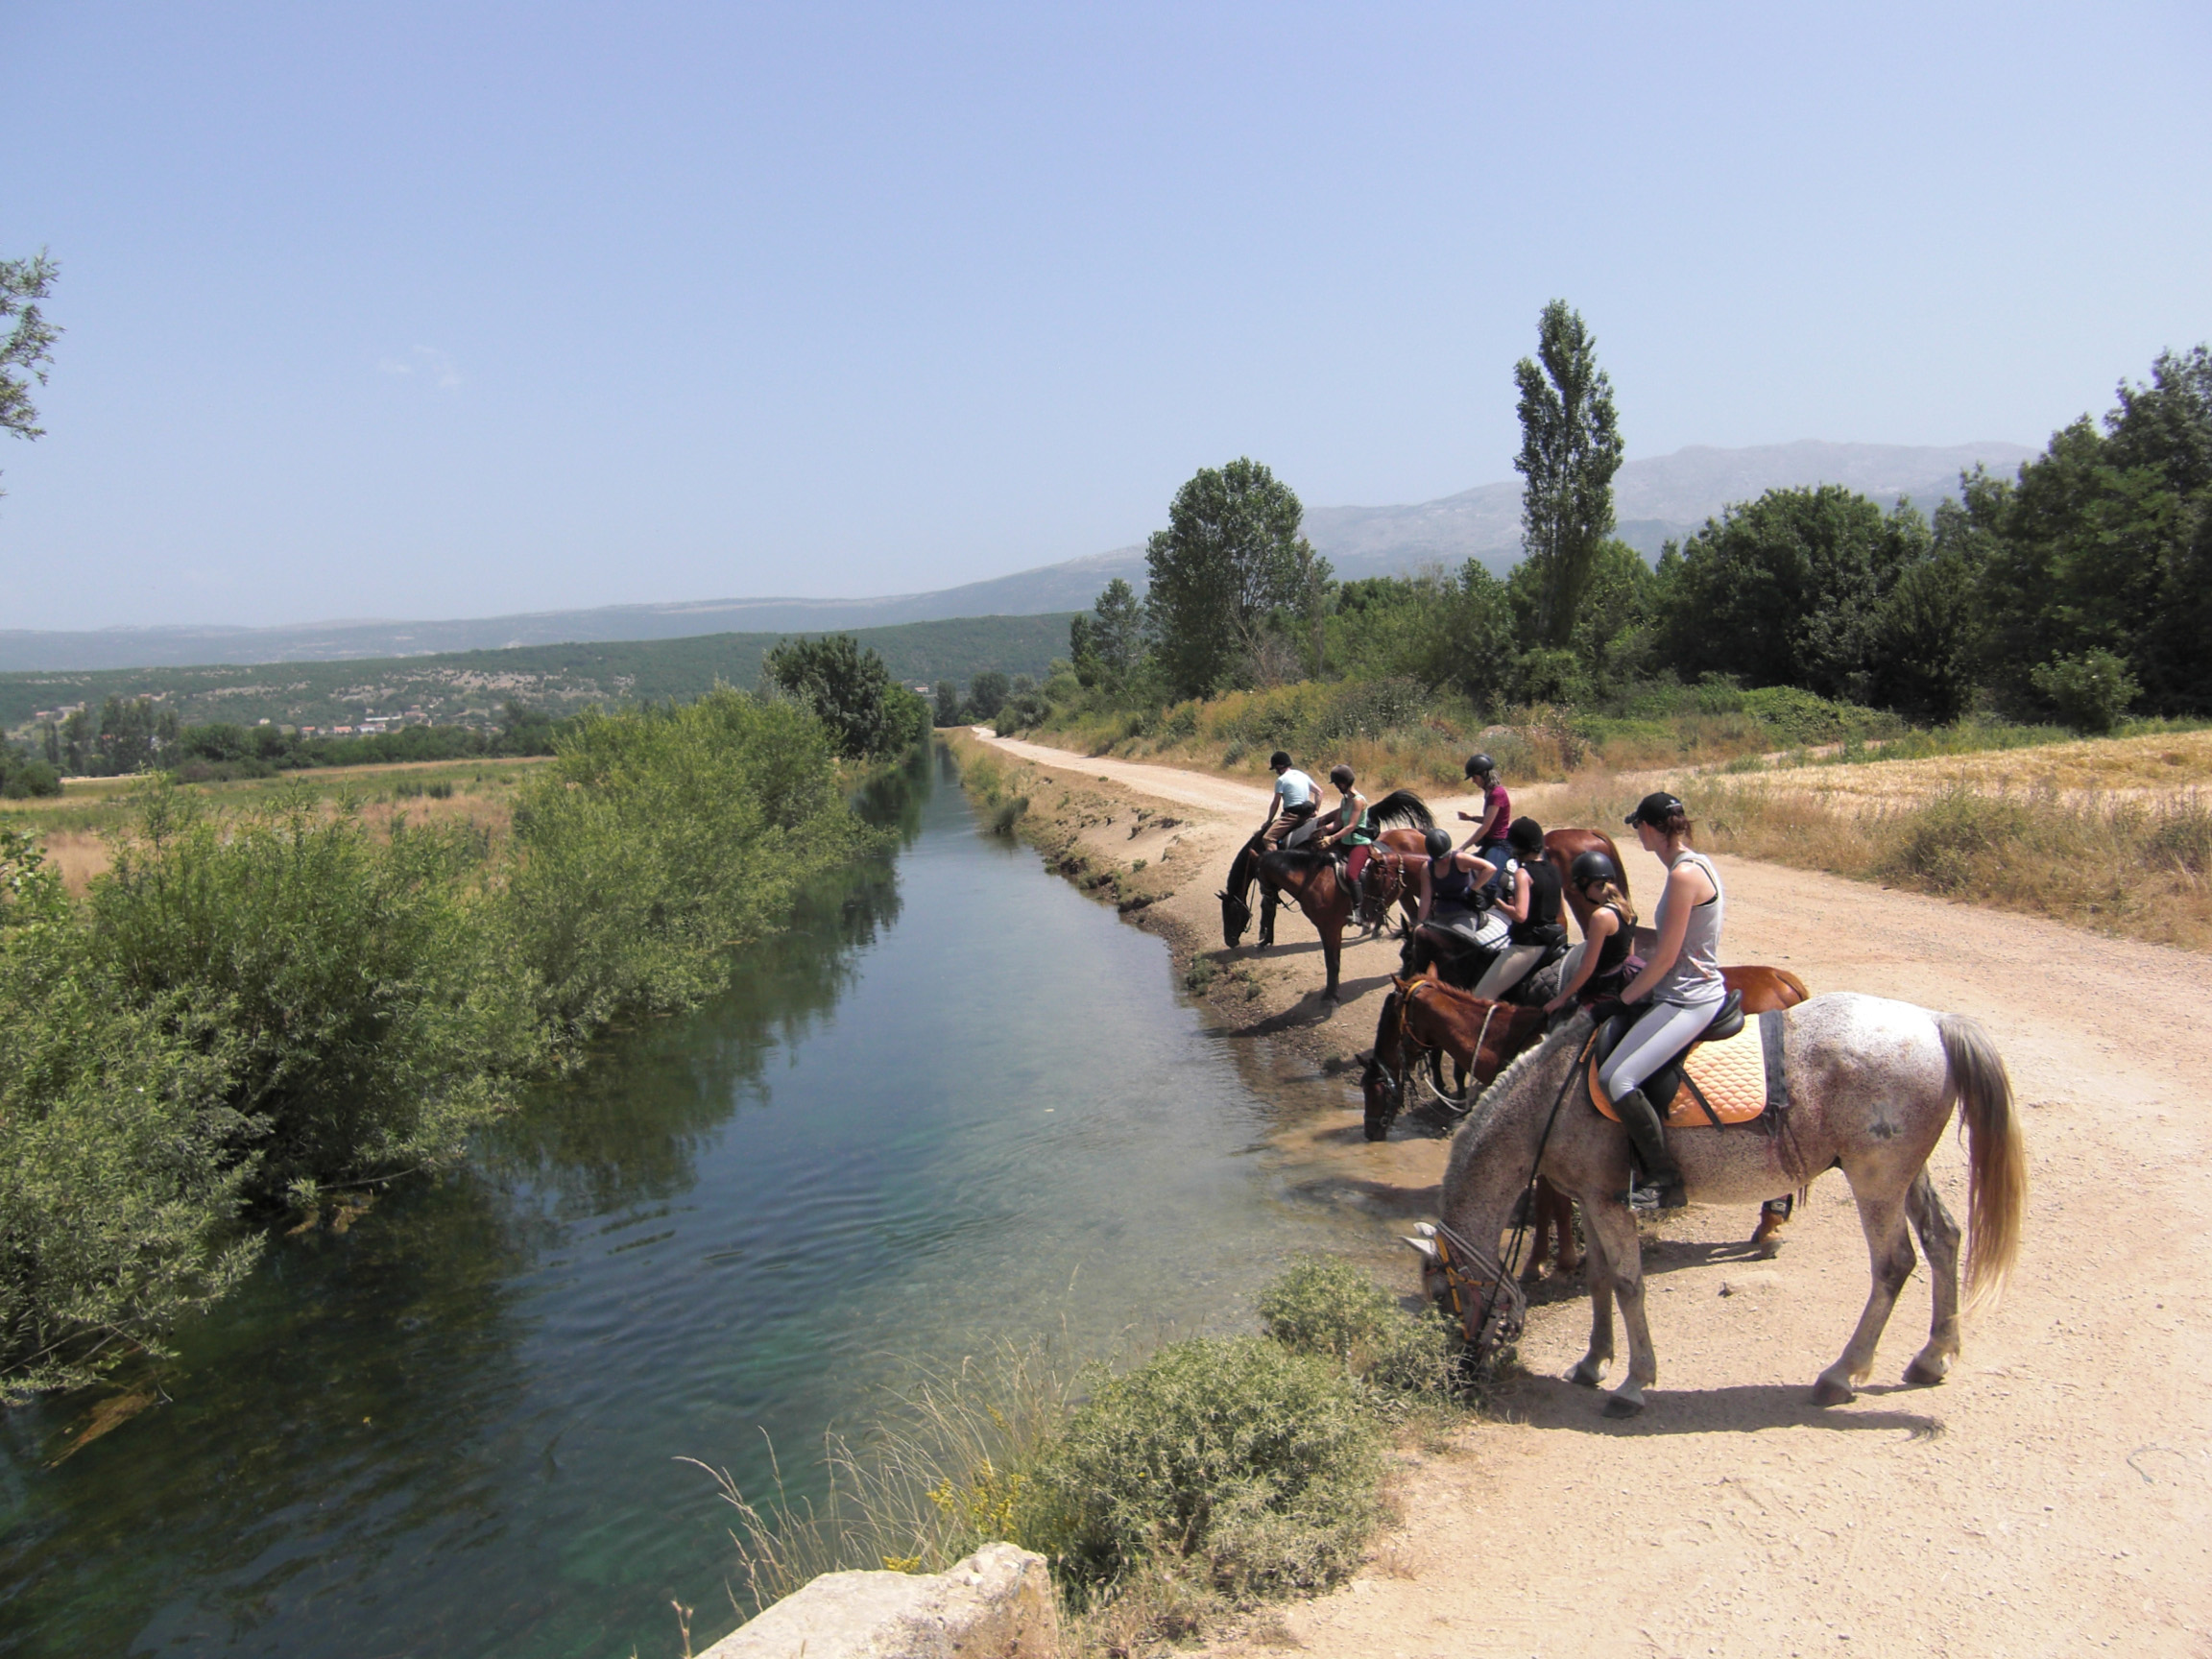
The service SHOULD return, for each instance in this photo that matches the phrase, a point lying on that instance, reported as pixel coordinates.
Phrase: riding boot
(1267, 920)
(1662, 1186)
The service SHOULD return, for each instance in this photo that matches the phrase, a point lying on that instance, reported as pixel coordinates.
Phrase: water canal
(961, 1102)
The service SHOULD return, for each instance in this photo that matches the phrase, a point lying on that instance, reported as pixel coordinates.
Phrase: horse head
(1235, 911)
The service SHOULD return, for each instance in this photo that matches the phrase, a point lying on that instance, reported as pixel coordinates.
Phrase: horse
(1433, 1018)
(1871, 1085)
(1309, 874)
(1562, 847)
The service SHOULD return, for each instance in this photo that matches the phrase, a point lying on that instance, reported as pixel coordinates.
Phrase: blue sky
(456, 309)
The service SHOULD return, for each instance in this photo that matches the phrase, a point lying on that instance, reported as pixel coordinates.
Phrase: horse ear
(1426, 1246)
(1427, 1229)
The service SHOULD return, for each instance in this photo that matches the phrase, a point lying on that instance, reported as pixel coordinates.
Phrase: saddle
(1732, 1071)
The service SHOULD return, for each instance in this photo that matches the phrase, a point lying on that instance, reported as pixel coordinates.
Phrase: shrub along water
(1218, 1472)
(250, 1009)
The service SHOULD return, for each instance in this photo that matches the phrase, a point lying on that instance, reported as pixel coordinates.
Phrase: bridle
(1503, 1309)
(1406, 1040)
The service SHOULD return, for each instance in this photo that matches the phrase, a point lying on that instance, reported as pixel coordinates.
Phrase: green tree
(2105, 543)
(848, 688)
(948, 700)
(27, 345)
(1569, 450)
(1790, 589)
(1106, 644)
(987, 694)
(1229, 563)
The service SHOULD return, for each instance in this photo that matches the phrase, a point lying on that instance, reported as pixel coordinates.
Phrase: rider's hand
(1469, 818)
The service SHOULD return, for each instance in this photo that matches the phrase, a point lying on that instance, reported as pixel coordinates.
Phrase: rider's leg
(1507, 970)
(1661, 1033)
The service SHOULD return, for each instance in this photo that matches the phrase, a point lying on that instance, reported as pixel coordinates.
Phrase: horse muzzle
(1236, 917)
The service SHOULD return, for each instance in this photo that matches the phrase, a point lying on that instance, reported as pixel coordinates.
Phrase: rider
(1676, 994)
(1533, 908)
(1297, 798)
(1596, 973)
(1347, 824)
(1448, 879)
(1489, 837)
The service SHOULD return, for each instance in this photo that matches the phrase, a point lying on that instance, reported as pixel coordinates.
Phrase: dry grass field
(77, 826)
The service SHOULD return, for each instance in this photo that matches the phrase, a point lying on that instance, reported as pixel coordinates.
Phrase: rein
(1406, 1040)
(1494, 1279)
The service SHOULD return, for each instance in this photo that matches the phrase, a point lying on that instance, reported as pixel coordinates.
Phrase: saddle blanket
(1730, 1073)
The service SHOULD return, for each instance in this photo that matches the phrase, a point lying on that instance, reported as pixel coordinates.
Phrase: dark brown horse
(1309, 876)
(1424, 1019)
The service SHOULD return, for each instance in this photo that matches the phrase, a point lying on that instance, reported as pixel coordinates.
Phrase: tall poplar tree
(1569, 450)
(26, 340)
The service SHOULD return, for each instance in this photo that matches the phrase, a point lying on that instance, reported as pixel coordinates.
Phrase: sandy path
(2053, 1497)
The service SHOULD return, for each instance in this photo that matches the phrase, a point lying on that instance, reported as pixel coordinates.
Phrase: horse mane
(1401, 806)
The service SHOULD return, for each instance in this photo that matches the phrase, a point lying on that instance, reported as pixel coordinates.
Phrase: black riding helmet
(1593, 866)
(1278, 762)
(1437, 841)
(1481, 765)
(1654, 809)
(1527, 837)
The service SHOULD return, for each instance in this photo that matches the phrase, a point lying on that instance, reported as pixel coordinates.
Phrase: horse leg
(1766, 1237)
(1891, 1262)
(1589, 1370)
(1539, 1233)
(1613, 1230)
(1940, 1238)
(1269, 900)
(1563, 1218)
(1333, 954)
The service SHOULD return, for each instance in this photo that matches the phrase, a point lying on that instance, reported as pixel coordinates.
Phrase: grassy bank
(1203, 1479)
(266, 1000)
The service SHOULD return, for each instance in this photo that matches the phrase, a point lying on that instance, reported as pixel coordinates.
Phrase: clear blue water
(961, 1102)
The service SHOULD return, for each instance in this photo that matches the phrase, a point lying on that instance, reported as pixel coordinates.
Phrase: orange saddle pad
(1730, 1073)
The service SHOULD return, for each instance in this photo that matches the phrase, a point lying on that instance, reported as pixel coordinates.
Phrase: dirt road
(2053, 1497)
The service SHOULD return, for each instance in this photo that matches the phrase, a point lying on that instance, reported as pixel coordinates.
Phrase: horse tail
(1997, 1190)
(1401, 807)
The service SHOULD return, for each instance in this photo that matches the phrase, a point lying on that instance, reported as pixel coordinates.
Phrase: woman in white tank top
(1674, 998)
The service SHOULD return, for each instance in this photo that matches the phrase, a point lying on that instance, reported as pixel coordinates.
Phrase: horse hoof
(1586, 1374)
(1830, 1392)
(1623, 1404)
(1926, 1373)
(1769, 1247)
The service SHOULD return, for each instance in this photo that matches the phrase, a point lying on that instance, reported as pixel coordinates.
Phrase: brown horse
(1427, 1019)
(1309, 876)
(1562, 847)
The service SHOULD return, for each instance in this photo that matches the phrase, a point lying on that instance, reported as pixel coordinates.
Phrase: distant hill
(449, 687)
(1664, 496)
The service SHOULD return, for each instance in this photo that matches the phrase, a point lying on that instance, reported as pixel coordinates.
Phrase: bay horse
(1433, 1019)
(1308, 875)
(1871, 1087)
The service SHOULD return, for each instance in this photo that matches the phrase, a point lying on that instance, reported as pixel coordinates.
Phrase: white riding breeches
(1511, 967)
(1661, 1033)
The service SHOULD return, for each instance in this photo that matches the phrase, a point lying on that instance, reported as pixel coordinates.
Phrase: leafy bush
(1252, 1464)
(2090, 691)
(373, 1014)
(658, 842)
(1328, 1307)
(120, 1161)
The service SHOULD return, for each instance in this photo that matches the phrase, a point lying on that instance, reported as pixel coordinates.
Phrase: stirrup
(1653, 1198)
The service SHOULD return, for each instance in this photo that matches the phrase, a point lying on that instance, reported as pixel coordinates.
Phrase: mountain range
(1656, 500)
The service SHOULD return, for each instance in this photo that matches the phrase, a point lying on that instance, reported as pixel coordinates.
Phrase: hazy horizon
(461, 311)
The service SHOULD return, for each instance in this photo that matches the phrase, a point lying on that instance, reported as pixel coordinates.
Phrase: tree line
(2078, 590)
